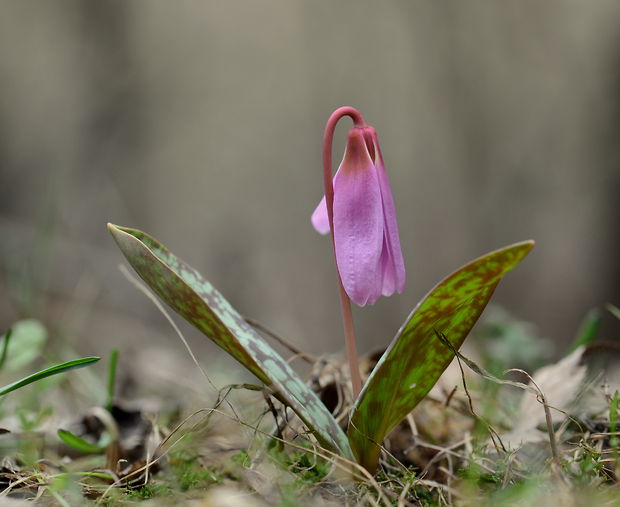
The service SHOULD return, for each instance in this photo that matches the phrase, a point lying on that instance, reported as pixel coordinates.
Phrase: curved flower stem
(345, 303)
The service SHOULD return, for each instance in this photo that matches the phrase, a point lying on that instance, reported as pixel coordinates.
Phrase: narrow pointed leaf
(195, 299)
(613, 422)
(79, 443)
(416, 358)
(5, 346)
(614, 310)
(588, 330)
(112, 378)
(48, 372)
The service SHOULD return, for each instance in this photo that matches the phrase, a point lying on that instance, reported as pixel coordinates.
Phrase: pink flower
(366, 241)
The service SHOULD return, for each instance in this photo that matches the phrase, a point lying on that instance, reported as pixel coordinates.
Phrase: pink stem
(345, 303)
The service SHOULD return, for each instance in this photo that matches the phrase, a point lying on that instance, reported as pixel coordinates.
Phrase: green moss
(152, 490)
(305, 465)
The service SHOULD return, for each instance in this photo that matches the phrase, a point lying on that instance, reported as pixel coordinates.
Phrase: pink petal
(388, 271)
(319, 218)
(392, 265)
(358, 223)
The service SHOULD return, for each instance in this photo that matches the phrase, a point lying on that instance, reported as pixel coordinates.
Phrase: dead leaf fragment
(560, 383)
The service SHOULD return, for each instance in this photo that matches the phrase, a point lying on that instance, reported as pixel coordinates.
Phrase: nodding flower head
(365, 232)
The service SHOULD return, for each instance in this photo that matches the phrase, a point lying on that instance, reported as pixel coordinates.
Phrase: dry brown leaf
(560, 383)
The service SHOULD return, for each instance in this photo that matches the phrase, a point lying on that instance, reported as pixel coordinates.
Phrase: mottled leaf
(194, 298)
(416, 357)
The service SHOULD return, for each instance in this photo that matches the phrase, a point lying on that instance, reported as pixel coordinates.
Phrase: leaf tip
(112, 228)
(530, 244)
(118, 231)
(525, 247)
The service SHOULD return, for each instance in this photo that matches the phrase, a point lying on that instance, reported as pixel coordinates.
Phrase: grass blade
(5, 347)
(588, 330)
(613, 422)
(112, 378)
(614, 310)
(79, 443)
(48, 372)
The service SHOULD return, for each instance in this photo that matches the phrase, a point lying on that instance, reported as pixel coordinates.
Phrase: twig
(263, 329)
(142, 288)
(549, 420)
(274, 412)
(450, 395)
(492, 432)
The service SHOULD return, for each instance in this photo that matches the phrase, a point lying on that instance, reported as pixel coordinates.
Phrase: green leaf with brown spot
(416, 358)
(194, 298)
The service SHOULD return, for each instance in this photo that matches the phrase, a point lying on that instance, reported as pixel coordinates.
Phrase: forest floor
(483, 435)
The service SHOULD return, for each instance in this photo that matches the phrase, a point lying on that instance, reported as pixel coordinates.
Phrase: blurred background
(201, 123)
